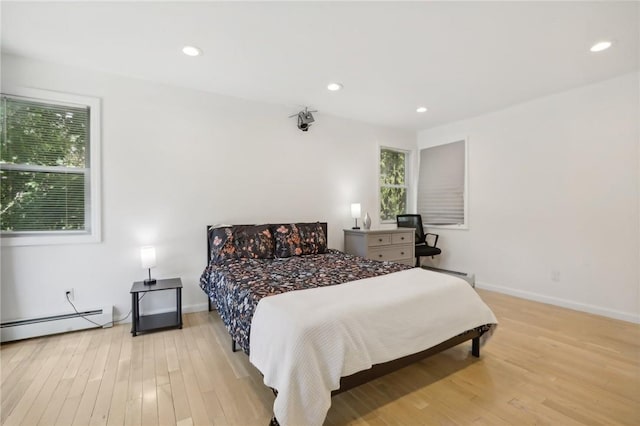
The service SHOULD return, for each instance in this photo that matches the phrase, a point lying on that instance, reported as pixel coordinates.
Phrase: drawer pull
(402, 253)
(379, 255)
(402, 238)
(380, 239)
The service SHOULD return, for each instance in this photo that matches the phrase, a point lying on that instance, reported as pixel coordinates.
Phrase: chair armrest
(435, 243)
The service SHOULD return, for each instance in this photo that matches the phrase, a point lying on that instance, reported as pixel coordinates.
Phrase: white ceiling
(459, 59)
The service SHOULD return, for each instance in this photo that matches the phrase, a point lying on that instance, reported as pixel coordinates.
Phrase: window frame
(465, 192)
(92, 198)
(407, 186)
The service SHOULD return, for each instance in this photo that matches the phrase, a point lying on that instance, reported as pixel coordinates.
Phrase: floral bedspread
(235, 286)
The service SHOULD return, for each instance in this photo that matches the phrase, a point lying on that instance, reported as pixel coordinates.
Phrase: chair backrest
(412, 221)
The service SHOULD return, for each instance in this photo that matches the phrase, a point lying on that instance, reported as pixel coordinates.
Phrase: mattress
(235, 286)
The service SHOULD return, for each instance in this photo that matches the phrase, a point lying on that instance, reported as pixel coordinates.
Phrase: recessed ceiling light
(421, 109)
(334, 87)
(191, 51)
(600, 46)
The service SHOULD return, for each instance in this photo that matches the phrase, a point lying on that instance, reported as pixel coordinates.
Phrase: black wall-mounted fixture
(305, 118)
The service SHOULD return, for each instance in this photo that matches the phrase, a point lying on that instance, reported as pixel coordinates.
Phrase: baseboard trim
(195, 308)
(582, 307)
(27, 328)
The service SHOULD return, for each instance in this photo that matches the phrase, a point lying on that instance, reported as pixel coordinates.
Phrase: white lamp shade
(355, 210)
(148, 257)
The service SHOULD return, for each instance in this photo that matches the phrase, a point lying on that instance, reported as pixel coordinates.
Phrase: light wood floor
(544, 365)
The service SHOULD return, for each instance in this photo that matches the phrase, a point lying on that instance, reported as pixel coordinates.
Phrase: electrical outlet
(555, 275)
(68, 292)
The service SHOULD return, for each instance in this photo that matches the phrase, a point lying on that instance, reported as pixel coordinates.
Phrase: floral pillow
(241, 241)
(253, 242)
(220, 243)
(298, 239)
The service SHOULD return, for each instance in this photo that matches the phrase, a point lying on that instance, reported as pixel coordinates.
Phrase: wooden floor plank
(118, 403)
(166, 413)
(133, 411)
(149, 387)
(181, 407)
(188, 379)
(100, 413)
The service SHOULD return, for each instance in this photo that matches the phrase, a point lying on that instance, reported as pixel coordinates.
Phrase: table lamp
(355, 213)
(148, 257)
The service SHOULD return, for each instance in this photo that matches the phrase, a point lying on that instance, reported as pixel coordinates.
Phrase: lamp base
(150, 281)
(356, 227)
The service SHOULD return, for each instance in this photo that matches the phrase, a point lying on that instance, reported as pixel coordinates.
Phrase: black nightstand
(145, 323)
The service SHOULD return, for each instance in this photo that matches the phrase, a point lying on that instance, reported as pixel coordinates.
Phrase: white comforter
(304, 341)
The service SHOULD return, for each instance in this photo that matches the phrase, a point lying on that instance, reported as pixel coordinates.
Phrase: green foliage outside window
(393, 186)
(43, 166)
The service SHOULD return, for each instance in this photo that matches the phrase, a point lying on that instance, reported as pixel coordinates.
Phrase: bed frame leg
(233, 346)
(475, 347)
(209, 299)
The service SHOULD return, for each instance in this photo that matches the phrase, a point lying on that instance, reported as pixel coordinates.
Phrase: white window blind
(441, 184)
(44, 167)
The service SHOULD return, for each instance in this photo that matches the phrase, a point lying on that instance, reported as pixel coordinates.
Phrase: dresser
(396, 245)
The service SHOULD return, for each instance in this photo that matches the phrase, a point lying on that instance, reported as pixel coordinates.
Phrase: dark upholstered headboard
(272, 226)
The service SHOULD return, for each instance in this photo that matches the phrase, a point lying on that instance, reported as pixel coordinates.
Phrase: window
(442, 185)
(49, 168)
(393, 183)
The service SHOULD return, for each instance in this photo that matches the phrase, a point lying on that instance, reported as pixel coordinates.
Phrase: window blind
(441, 184)
(44, 166)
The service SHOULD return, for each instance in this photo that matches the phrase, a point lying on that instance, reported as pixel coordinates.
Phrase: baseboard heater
(54, 324)
(470, 278)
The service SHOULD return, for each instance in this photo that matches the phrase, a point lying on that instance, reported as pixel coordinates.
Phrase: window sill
(47, 240)
(460, 227)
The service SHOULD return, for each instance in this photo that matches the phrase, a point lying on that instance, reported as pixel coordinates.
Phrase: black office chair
(423, 248)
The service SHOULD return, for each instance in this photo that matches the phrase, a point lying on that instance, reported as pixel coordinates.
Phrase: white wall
(175, 160)
(554, 185)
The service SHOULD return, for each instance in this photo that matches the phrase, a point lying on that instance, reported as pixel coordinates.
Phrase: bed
(316, 322)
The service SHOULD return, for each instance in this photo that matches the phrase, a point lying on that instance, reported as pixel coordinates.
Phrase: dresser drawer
(379, 240)
(401, 238)
(391, 253)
